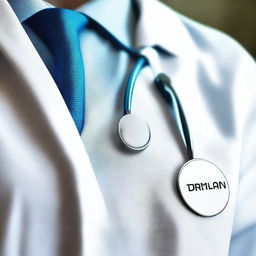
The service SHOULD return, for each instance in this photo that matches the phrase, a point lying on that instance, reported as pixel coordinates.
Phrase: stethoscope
(134, 132)
(202, 186)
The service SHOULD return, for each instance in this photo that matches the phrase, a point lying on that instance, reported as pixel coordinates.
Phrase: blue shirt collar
(157, 24)
(120, 23)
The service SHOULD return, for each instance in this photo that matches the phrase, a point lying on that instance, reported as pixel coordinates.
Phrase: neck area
(67, 3)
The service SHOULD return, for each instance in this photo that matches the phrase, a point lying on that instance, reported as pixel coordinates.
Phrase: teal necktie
(59, 30)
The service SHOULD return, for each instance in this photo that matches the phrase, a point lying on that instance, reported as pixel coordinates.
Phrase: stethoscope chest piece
(134, 132)
(203, 187)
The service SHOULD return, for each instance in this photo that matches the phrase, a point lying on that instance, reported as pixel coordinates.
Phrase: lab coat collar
(160, 25)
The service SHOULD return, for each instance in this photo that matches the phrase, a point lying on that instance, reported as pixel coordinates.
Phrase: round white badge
(203, 187)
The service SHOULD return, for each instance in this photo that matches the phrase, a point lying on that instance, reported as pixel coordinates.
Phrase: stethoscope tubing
(161, 81)
(163, 84)
(129, 89)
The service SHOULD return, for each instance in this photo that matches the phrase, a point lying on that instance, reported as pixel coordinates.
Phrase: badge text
(207, 186)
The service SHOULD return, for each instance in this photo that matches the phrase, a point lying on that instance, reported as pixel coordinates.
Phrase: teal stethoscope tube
(135, 72)
(163, 84)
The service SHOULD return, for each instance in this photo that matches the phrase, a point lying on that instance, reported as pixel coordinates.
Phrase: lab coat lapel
(23, 56)
(47, 147)
(20, 52)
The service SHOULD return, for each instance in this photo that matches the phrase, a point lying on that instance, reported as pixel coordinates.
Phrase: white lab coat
(51, 203)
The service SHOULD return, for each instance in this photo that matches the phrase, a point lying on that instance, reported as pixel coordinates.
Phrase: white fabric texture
(62, 194)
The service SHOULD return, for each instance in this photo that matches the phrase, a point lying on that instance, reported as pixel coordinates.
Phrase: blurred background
(235, 17)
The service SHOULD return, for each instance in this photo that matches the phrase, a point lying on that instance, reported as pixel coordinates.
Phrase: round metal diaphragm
(134, 132)
(203, 187)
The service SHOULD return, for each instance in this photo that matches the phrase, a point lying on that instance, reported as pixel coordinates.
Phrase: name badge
(203, 187)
